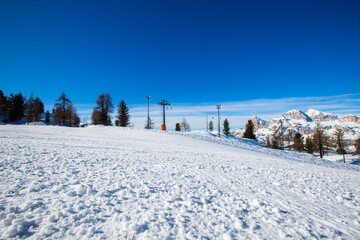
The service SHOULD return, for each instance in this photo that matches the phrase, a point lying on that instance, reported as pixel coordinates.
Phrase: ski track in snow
(112, 183)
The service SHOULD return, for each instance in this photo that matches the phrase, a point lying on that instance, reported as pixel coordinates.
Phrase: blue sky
(192, 53)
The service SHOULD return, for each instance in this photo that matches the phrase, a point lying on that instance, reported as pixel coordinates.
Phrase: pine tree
(309, 145)
(30, 105)
(3, 106)
(17, 107)
(357, 146)
(47, 116)
(211, 126)
(249, 130)
(298, 142)
(123, 114)
(101, 113)
(185, 125)
(38, 108)
(177, 127)
(226, 129)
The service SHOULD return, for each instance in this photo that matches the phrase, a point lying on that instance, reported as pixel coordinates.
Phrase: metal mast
(148, 98)
(164, 103)
(218, 108)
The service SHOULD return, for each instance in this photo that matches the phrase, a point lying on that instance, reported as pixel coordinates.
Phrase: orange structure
(163, 103)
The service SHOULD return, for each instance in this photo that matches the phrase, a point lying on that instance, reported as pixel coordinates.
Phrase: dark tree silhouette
(249, 130)
(101, 113)
(211, 126)
(298, 142)
(17, 107)
(226, 129)
(309, 145)
(123, 114)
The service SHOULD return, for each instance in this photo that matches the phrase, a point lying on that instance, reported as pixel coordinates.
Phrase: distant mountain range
(304, 122)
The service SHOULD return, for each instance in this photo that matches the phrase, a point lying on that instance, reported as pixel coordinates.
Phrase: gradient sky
(188, 52)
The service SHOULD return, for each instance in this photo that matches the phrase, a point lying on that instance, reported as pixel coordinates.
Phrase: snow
(116, 183)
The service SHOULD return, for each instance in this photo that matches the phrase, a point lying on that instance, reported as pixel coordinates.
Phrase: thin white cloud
(236, 112)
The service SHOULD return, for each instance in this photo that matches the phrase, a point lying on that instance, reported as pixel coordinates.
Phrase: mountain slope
(304, 122)
(105, 182)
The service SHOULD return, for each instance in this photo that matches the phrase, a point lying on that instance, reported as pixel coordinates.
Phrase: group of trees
(319, 141)
(226, 127)
(64, 113)
(182, 126)
(104, 107)
(15, 107)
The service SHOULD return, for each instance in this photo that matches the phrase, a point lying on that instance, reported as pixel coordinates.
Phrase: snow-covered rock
(297, 115)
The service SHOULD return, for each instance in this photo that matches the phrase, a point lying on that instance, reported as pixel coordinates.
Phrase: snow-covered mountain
(304, 122)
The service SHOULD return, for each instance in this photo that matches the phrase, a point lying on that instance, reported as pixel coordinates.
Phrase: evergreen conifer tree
(211, 126)
(249, 130)
(3, 106)
(309, 145)
(17, 107)
(298, 142)
(47, 116)
(226, 129)
(123, 114)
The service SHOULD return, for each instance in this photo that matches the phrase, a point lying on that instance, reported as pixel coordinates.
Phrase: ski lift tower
(218, 108)
(163, 103)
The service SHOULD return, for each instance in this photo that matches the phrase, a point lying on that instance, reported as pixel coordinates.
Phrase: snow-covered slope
(100, 182)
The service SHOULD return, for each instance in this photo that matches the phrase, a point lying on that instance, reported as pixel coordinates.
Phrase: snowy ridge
(295, 121)
(113, 183)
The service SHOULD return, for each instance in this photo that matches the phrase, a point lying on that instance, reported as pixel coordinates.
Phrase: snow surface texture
(112, 183)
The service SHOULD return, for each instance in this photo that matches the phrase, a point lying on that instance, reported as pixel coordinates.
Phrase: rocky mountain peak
(297, 115)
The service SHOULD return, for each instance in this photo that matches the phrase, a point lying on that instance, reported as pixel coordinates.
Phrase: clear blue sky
(183, 51)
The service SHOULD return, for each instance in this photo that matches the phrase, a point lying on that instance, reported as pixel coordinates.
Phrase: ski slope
(116, 183)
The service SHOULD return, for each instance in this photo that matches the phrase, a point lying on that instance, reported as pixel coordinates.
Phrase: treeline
(318, 142)
(104, 107)
(16, 108)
